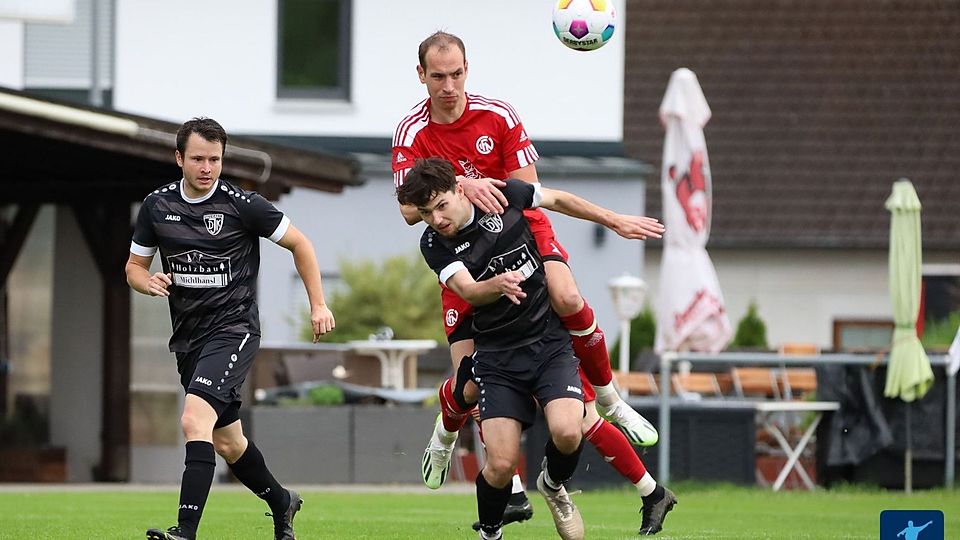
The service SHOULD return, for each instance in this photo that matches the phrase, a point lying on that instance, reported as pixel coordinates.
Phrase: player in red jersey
(485, 140)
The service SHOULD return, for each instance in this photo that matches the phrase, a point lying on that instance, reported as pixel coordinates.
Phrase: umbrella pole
(908, 458)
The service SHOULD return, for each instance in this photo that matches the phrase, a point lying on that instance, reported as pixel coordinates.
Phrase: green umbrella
(909, 376)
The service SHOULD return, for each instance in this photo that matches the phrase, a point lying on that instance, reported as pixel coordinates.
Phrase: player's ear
(421, 74)
(466, 67)
(179, 158)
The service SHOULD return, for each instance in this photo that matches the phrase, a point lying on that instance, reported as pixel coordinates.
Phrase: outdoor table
(392, 353)
(766, 410)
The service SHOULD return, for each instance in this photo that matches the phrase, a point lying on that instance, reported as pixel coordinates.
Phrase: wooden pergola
(102, 162)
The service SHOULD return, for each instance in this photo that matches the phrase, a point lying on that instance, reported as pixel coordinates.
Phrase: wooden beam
(14, 238)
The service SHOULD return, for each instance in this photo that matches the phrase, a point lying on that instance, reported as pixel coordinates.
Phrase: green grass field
(717, 512)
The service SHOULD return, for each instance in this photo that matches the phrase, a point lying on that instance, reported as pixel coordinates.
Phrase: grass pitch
(714, 512)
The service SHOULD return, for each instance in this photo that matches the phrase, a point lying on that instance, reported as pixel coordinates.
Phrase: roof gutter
(113, 124)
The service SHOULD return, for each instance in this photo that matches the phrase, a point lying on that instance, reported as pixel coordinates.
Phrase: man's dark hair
(425, 180)
(208, 128)
(442, 40)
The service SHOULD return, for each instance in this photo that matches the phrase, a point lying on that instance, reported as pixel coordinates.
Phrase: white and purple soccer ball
(584, 25)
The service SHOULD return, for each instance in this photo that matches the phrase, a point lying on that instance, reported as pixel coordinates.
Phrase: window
(313, 49)
(862, 335)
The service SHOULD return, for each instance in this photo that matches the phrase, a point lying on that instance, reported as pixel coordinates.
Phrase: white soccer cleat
(436, 461)
(566, 516)
(636, 428)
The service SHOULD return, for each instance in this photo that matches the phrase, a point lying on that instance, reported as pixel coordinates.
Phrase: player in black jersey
(207, 231)
(523, 354)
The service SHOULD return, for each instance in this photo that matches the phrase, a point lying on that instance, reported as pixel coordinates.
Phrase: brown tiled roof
(818, 107)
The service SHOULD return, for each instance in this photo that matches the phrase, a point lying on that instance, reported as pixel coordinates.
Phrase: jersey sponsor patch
(518, 259)
(214, 223)
(198, 270)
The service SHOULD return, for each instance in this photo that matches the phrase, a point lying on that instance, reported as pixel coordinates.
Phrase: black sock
(518, 498)
(199, 463)
(560, 467)
(654, 497)
(491, 502)
(252, 472)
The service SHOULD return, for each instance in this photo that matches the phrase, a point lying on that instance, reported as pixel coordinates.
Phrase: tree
(400, 292)
(751, 331)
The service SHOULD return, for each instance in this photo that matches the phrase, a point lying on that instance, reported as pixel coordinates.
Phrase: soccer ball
(584, 25)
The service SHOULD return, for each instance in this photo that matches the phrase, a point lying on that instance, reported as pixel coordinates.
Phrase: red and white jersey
(488, 140)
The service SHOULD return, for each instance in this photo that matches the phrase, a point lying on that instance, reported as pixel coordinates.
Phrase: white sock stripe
(587, 332)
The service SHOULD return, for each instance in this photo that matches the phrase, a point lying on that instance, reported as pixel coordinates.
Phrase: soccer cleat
(566, 516)
(283, 523)
(513, 513)
(436, 460)
(173, 533)
(653, 515)
(636, 428)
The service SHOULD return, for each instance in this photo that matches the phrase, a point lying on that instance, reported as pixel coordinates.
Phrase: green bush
(400, 292)
(326, 394)
(643, 331)
(751, 331)
(939, 334)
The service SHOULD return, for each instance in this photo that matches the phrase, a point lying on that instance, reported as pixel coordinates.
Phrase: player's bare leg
(590, 347)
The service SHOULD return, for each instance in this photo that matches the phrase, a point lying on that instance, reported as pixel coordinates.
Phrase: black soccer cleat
(173, 533)
(513, 513)
(283, 523)
(653, 515)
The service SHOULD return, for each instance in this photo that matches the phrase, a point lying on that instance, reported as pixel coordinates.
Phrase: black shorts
(514, 381)
(216, 371)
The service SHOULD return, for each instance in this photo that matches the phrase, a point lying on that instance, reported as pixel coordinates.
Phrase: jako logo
(203, 380)
(172, 217)
(189, 507)
(574, 389)
(461, 247)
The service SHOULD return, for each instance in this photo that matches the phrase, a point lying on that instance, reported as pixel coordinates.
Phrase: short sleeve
(438, 256)
(402, 159)
(522, 194)
(261, 217)
(144, 242)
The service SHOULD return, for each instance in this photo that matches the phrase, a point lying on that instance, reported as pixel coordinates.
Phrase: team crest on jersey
(214, 223)
(491, 222)
(452, 317)
(484, 144)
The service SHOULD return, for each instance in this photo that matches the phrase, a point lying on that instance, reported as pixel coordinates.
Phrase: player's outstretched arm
(488, 291)
(630, 227)
(305, 259)
(141, 280)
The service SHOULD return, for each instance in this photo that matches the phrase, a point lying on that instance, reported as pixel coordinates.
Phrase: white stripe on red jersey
(502, 108)
(408, 128)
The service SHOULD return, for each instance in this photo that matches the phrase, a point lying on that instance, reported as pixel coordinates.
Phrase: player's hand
(157, 284)
(322, 319)
(485, 193)
(509, 284)
(637, 227)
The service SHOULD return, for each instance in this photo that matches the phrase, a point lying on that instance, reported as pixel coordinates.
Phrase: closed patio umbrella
(909, 375)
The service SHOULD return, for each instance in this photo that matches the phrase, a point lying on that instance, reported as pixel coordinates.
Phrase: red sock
(589, 345)
(613, 445)
(451, 414)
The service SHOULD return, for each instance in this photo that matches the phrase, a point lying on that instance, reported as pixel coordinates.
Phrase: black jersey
(211, 248)
(493, 244)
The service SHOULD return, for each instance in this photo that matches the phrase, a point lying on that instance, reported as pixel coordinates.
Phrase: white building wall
(799, 292)
(181, 58)
(11, 43)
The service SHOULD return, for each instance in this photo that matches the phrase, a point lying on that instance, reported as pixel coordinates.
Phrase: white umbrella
(691, 314)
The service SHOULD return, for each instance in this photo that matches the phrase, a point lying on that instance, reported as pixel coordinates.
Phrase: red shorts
(456, 310)
(589, 394)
